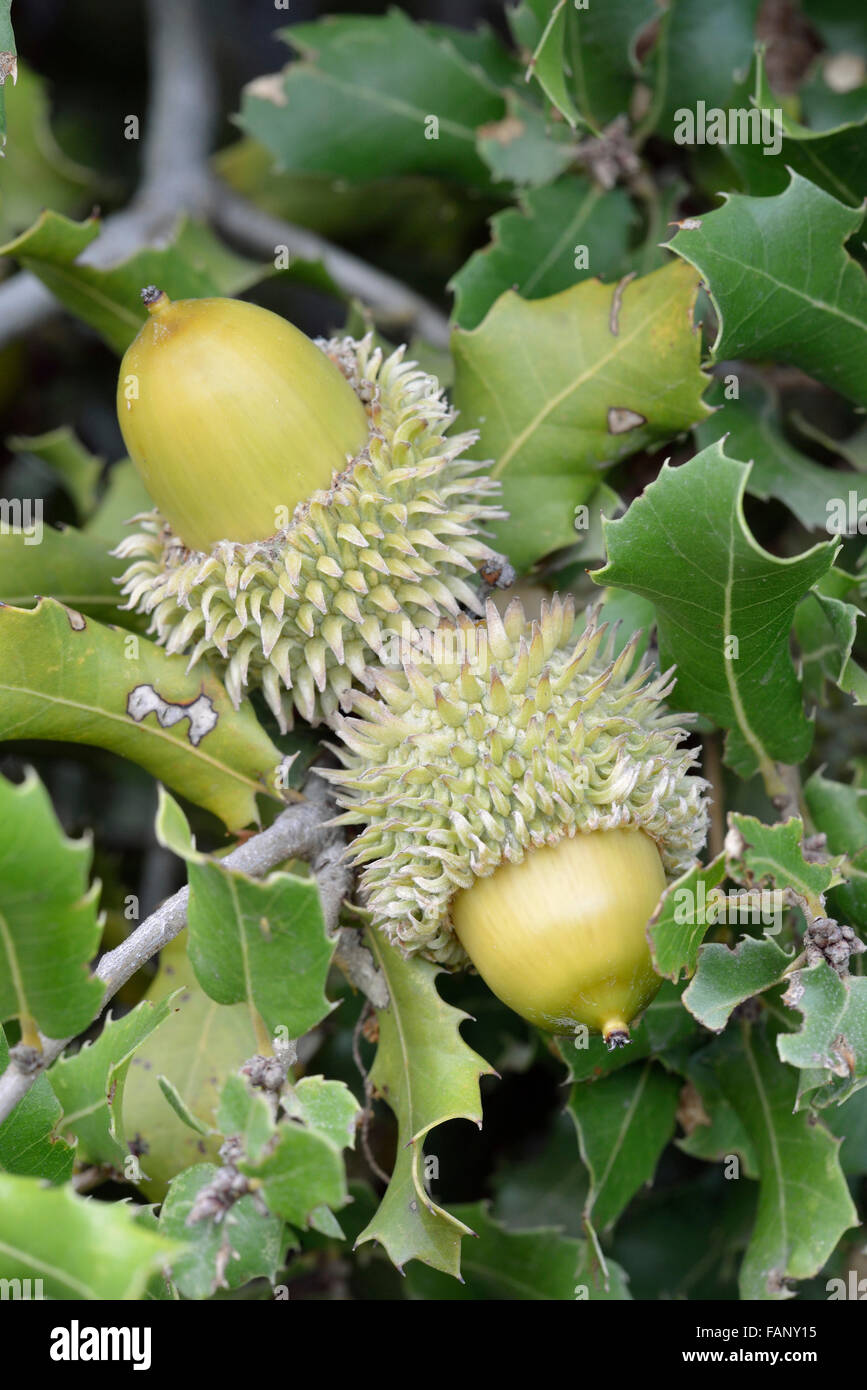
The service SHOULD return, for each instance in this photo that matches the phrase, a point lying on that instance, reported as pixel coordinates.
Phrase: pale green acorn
(523, 798)
(312, 507)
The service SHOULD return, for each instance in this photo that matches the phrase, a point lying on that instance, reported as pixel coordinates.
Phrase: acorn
(310, 508)
(524, 798)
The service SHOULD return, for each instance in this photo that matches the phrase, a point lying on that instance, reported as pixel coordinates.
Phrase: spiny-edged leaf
(835, 158)
(804, 1203)
(527, 146)
(623, 1122)
(36, 173)
(198, 1046)
(563, 386)
(549, 61)
(664, 1025)
(826, 626)
(65, 454)
(89, 1085)
(262, 941)
(78, 1247)
(680, 922)
(64, 676)
(831, 1047)
(27, 1143)
(724, 606)
(49, 928)
(247, 1244)
(8, 64)
(356, 103)
(426, 1073)
(245, 1114)
(727, 976)
(327, 1106)
(751, 425)
(534, 249)
(301, 1171)
(503, 1264)
(760, 855)
(700, 54)
(194, 264)
(775, 296)
(69, 565)
(712, 1128)
(840, 811)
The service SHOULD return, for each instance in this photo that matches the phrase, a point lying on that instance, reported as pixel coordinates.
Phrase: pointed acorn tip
(616, 1034)
(154, 298)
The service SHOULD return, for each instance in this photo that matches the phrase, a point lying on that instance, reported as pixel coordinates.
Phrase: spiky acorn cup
(524, 798)
(312, 510)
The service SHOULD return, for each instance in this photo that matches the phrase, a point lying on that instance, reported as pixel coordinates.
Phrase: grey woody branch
(299, 832)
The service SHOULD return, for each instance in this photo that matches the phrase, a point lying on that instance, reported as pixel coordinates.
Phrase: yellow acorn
(232, 415)
(313, 509)
(523, 800)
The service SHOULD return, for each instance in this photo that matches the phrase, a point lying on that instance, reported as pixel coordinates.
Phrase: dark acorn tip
(150, 294)
(619, 1038)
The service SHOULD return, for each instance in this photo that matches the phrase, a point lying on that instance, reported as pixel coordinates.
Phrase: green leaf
(712, 1129)
(503, 1264)
(247, 1244)
(623, 1122)
(299, 1172)
(89, 1085)
(69, 565)
(198, 1046)
(359, 102)
(326, 1106)
(37, 173)
(259, 941)
(63, 451)
(804, 1204)
(526, 146)
(831, 1047)
(534, 250)
(546, 1189)
(827, 629)
(724, 606)
(680, 921)
(701, 54)
(751, 425)
(428, 1075)
(564, 386)
(759, 855)
(8, 63)
(49, 929)
(66, 677)
(849, 1123)
(549, 62)
(28, 1146)
(125, 495)
(728, 976)
(193, 265)
(78, 1247)
(773, 296)
(841, 812)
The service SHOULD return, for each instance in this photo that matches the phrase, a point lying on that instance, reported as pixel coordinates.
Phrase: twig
(298, 832)
(259, 233)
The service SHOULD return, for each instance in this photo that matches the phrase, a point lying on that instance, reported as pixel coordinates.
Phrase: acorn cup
(311, 512)
(523, 800)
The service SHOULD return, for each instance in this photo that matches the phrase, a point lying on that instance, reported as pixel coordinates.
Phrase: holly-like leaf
(247, 1244)
(77, 1247)
(750, 425)
(562, 234)
(64, 676)
(681, 920)
(526, 147)
(372, 97)
(775, 298)
(831, 1047)
(28, 1146)
(562, 387)
(804, 1203)
(302, 1171)
(198, 1046)
(840, 811)
(49, 928)
(89, 1085)
(726, 977)
(427, 1075)
(759, 855)
(327, 1106)
(259, 941)
(623, 1122)
(700, 54)
(194, 264)
(724, 606)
